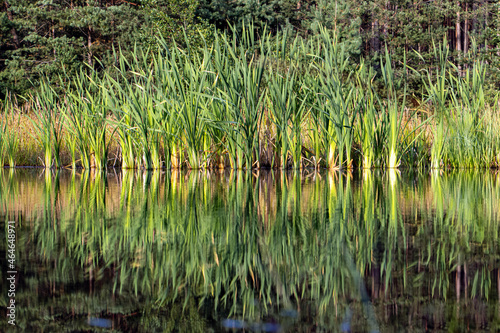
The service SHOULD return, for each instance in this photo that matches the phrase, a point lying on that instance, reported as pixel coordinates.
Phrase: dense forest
(43, 38)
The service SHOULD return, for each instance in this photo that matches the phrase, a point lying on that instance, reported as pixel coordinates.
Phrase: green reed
(466, 127)
(459, 102)
(240, 76)
(337, 104)
(166, 119)
(76, 122)
(252, 100)
(9, 139)
(287, 110)
(3, 130)
(188, 80)
(122, 120)
(86, 120)
(399, 136)
(131, 106)
(48, 124)
(371, 125)
(138, 106)
(438, 93)
(226, 99)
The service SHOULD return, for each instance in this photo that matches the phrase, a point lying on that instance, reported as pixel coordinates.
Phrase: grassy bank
(249, 101)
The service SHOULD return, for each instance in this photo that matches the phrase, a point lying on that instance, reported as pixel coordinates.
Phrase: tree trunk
(466, 30)
(458, 31)
(485, 26)
(89, 44)
(13, 31)
(375, 43)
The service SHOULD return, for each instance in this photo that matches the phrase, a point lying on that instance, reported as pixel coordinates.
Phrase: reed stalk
(241, 87)
(12, 140)
(336, 108)
(288, 114)
(393, 108)
(188, 81)
(48, 124)
(9, 138)
(466, 127)
(400, 137)
(438, 93)
(122, 120)
(204, 106)
(86, 119)
(3, 134)
(370, 123)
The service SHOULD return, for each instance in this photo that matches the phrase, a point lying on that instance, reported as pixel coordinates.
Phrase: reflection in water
(267, 251)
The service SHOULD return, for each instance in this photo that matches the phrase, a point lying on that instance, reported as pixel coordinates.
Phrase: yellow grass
(30, 152)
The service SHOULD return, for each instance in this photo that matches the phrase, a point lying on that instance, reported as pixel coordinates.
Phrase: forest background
(43, 38)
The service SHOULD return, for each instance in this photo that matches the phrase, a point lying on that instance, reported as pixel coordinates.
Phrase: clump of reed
(337, 103)
(85, 115)
(286, 101)
(9, 140)
(247, 101)
(48, 124)
(461, 136)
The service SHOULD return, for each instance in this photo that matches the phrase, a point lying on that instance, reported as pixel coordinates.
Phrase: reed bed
(247, 101)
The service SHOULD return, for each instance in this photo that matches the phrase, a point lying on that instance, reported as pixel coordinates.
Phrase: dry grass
(30, 152)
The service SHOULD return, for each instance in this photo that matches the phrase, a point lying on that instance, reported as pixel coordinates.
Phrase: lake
(262, 251)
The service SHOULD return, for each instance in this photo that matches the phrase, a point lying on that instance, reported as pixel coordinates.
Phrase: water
(253, 252)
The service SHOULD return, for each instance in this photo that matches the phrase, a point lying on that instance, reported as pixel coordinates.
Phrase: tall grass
(371, 132)
(240, 74)
(438, 94)
(248, 100)
(9, 139)
(188, 80)
(12, 140)
(3, 132)
(337, 105)
(86, 119)
(48, 123)
(399, 137)
(458, 97)
(466, 134)
(287, 107)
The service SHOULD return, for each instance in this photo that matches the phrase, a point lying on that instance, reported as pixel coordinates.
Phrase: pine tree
(343, 18)
(45, 39)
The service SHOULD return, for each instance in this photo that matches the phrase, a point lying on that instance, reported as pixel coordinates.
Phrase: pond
(372, 251)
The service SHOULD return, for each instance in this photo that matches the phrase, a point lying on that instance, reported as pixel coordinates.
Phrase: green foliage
(39, 40)
(176, 21)
(48, 124)
(344, 19)
(244, 102)
(58, 35)
(225, 13)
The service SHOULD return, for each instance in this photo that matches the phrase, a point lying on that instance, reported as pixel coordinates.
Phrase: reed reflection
(151, 250)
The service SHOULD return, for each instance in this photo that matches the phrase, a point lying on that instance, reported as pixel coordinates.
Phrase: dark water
(253, 252)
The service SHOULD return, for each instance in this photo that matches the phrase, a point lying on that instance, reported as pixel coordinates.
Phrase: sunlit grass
(247, 101)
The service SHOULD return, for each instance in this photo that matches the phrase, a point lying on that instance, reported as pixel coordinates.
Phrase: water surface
(253, 252)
